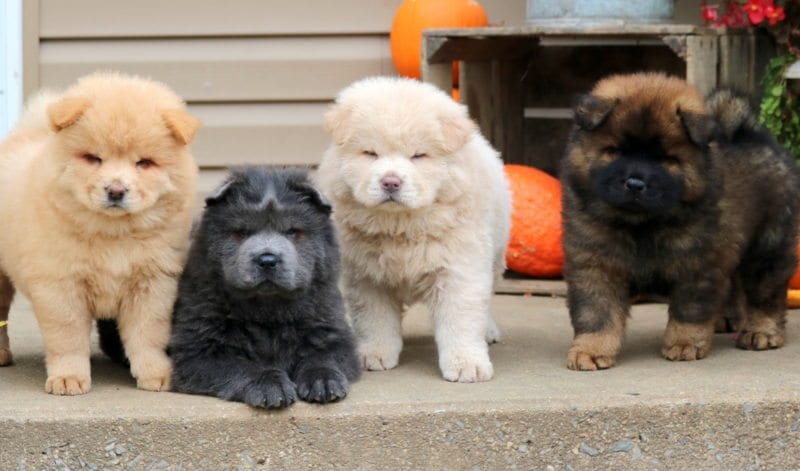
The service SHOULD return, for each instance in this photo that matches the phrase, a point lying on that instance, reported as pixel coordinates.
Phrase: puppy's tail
(732, 112)
(35, 113)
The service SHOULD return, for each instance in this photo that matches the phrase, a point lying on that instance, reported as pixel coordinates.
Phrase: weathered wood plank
(737, 62)
(507, 285)
(620, 29)
(702, 57)
(478, 49)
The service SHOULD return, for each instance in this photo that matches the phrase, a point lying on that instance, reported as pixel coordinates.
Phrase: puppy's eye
(239, 234)
(144, 164)
(610, 150)
(92, 159)
(369, 153)
(419, 155)
(294, 233)
(672, 161)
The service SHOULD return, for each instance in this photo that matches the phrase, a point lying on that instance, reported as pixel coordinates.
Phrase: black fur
(245, 330)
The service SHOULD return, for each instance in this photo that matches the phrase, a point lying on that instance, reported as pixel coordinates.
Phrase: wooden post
(493, 92)
(737, 61)
(439, 74)
(702, 57)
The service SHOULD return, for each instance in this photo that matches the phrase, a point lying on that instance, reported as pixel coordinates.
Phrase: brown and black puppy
(666, 194)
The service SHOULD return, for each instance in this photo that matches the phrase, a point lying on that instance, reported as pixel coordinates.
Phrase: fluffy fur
(666, 194)
(96, 192)
(422, 206)
(259, 316)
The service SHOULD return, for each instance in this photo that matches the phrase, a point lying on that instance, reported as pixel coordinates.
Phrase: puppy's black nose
(116, 193)
(635, 184)
(268, 260)
(391, 183)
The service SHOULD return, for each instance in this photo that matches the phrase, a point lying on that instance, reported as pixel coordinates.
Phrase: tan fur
(598, 350)
(78, 260)
(762, 331)
(687, 341)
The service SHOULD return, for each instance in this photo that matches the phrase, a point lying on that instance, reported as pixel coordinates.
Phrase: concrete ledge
(734, 410)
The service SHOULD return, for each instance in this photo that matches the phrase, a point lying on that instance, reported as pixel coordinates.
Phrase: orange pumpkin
(413, 16)
(794, 283)
(534, 247)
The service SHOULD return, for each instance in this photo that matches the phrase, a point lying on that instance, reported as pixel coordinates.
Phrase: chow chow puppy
(666, 194)
(96, 192)
(422, 206)
(259, 317)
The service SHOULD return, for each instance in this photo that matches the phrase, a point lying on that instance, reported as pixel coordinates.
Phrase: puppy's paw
(273, 390)
(760, 332)
(156, 383)
(68, 385)
(466, 366)
(593, 351)
(322, 385)
(492, 332)
(579, 359)
(5, 357)
(687, 341)
(684, 351)
(156, 376)
(759, 340)
(375, 356)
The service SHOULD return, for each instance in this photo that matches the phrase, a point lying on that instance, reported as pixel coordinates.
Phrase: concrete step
(734, 410)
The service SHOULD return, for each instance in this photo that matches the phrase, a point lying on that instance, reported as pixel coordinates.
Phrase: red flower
(774, 14)
(755, 10)
(710, 13)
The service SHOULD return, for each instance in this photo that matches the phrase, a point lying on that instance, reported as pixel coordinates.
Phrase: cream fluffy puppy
(422, 206)
(96, 192)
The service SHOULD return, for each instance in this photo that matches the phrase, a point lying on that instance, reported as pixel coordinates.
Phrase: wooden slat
(169, 18)
(226, 70)
(277, 134)
(508, 285)
(702, 58)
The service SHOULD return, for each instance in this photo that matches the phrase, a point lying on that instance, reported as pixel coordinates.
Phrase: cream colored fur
(74, 257)
(440, 242)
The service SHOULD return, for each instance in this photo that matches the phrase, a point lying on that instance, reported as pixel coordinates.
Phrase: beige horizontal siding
(275, 133)
(258, 73)
(162, 18)
(169, 18)
(210, 70)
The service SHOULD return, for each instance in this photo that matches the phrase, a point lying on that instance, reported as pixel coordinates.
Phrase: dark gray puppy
(259, 317)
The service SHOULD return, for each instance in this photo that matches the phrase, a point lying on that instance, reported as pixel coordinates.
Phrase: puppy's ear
(312, 195)
(66, 112)
(181, 124)
(591, 111)
(337, 123)
(699, 127)
(219, 194)
(456, 128)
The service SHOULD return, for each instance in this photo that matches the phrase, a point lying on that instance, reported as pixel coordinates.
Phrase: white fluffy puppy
(422, 206)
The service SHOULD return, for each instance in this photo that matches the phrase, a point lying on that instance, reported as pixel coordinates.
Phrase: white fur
(441, 241)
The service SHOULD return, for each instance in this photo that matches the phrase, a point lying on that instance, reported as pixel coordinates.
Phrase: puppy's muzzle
(115, 193)
(268, 260)
(391, 183)
(635, 185)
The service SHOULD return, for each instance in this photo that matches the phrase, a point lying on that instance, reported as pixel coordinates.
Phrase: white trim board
(10, 63)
